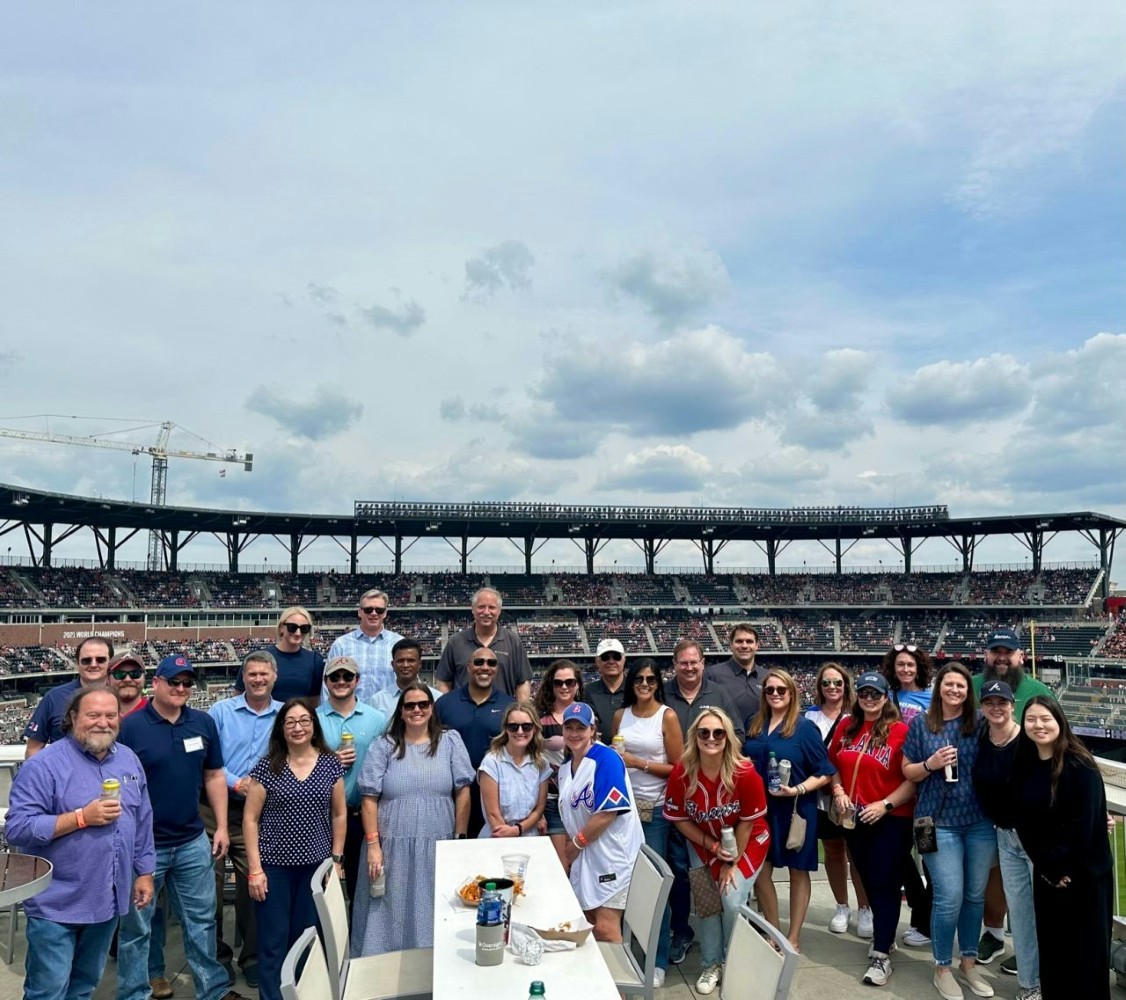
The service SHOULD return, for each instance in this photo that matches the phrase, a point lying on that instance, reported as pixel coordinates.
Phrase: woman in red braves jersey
(867, 752)
(714, 787)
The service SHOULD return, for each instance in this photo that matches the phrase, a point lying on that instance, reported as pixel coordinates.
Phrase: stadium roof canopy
(48, 518)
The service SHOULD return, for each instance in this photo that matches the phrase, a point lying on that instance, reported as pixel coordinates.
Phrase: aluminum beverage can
(111, 789)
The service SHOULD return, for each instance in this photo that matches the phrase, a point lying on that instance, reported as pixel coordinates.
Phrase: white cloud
(328, 411)
(957, 393)
(663, 469)
(404, 319)
(506, 265)
(672, 285)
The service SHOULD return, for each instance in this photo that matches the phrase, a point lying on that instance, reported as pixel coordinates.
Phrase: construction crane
(160, 453)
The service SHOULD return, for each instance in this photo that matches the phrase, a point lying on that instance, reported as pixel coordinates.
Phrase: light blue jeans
(188, 871)
(715, 931)
(1016, 874)
(65, 961)
(656, 833)
(959, 870)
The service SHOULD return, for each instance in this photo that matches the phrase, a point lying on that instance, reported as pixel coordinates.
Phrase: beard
(97, 743)
(1012, 675)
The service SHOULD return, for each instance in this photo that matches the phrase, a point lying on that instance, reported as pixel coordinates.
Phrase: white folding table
(548, 901)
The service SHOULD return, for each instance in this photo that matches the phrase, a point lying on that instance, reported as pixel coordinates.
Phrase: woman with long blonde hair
(513, 776)
(780, 731)
(714, 787)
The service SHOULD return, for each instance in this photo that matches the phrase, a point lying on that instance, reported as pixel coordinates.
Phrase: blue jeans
(282, 918)
(65, 961)
(1016, 874)
(656, 833)
(680, 898)
(959, 871)
(714, 931)
(188, 873)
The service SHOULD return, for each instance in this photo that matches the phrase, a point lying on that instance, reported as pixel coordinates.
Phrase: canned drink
(785, 769)
(347, 739)
(619, 743)
(111, 789)
(378, 886)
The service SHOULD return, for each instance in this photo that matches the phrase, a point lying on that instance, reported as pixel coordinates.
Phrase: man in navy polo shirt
(92, 655)
(475, 712)
(179, 749)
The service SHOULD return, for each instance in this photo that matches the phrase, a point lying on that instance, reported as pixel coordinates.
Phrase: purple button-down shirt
(94, 867)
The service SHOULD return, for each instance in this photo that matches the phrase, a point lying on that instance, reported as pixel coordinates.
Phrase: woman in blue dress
(778, 728)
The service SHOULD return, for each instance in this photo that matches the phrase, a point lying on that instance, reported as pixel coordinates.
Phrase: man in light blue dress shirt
(406, 661)
(342, 713)
(369, 645)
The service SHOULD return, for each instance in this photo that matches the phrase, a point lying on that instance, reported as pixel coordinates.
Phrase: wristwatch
(888, 806)
(338, 858)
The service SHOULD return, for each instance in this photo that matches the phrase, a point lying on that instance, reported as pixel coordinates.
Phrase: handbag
(923, 830)
(645, 809)
(705, 893)
(795, 839)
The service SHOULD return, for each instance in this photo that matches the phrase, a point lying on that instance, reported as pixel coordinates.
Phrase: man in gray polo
(514, 673)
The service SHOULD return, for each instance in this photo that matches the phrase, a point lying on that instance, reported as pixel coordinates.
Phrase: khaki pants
(245, 918)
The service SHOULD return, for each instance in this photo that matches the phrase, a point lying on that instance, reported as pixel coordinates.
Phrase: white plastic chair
(761, 962)
(313, 983)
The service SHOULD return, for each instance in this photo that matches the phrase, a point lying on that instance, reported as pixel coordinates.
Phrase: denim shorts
(551, 814)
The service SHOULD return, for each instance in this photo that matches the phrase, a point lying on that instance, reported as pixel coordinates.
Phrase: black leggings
(879, 851)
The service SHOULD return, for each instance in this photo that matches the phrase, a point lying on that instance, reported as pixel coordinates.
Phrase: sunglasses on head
(564, 682)
(519, 727)
(89, 661)
(613, 654)
(828, 682)
(416, 706)
(481, 661)
(292, 628)
(776, 690)
(134, 674)
(341, 675)
(711, 734)
(373, 609)
(900, 647)
(180, 682)
(647, 681)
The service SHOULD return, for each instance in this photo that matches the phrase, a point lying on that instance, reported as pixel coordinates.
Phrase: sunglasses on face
(341, 675)
(373, 610)
(292, 628)
(869, 695)
(416, 706)
(520, 727)
(481, 661)
(645, 682)
(89, 661)
(828, 683)
(710, 734)
(565, 682)
(900, 647)
(120, 675)
(612, 655)
(180, 682)
(775, 690)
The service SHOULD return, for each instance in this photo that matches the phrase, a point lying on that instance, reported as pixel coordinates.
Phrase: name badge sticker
(193, 744)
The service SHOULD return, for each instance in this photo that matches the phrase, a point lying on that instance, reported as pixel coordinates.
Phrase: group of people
(718, 769)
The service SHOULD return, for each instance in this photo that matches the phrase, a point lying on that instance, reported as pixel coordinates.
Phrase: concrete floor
(831, 966)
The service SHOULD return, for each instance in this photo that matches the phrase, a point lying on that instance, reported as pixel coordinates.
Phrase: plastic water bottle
(773, 774)
(490, 927)
(536, 990)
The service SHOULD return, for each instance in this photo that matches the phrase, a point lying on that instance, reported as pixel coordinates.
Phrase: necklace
(1010, 733)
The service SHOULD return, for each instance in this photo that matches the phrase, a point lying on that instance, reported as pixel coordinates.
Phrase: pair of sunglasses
(293, 628)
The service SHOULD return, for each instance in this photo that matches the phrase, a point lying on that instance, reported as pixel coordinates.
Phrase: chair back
(761, 962)
(314, 981)
(649, 888)
(332, 912)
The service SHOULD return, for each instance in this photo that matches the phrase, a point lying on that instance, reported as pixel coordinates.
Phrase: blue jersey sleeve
(611, 788)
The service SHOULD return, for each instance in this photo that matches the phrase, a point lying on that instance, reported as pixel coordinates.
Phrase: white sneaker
(946, 984)
(915, 938)
(839, 923)
(864, 922)
(872, 950)
(879, 970)
(709, 980)
(658, 977)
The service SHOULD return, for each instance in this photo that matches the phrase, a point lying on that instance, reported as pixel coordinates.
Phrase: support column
(174, 550)
(398, 553)
(772, 556)
(528, 546)
(45, 557)
(353, 553)
(294, 552)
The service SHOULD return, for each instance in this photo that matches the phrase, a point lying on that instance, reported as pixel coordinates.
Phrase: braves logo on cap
(993, 688)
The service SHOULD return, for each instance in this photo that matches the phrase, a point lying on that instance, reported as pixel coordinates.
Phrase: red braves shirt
(880, 768)
(711, 807)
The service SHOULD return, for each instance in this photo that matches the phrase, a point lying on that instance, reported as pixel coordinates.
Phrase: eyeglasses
(900, 647)
(613, 654)
(776, 690)
(120, 675)
(179, 682)
(650, 682)
(827, 682)
(520, 727)
(375, 609)
(563, 682)
(293, 627)
(416, 706)
(341, 675)
(869, 694)
(298, 723)
(711, 734)
(481, 661)
(89, 661)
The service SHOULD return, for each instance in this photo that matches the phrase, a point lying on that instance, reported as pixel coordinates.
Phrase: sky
(708, 253)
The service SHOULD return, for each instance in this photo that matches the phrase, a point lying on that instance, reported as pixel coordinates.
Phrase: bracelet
(927, 769)
(581, 839)
(646, 767)
(575, 842)
(839, 790)
(520, 828)
(371, 838)
(801, 788)
(80, 818)
(254, 876)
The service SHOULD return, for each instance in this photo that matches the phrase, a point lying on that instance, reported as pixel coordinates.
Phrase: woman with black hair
(415, 786)
(561, 687)
(295, 817)
(1061, 819)
(651, 744)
